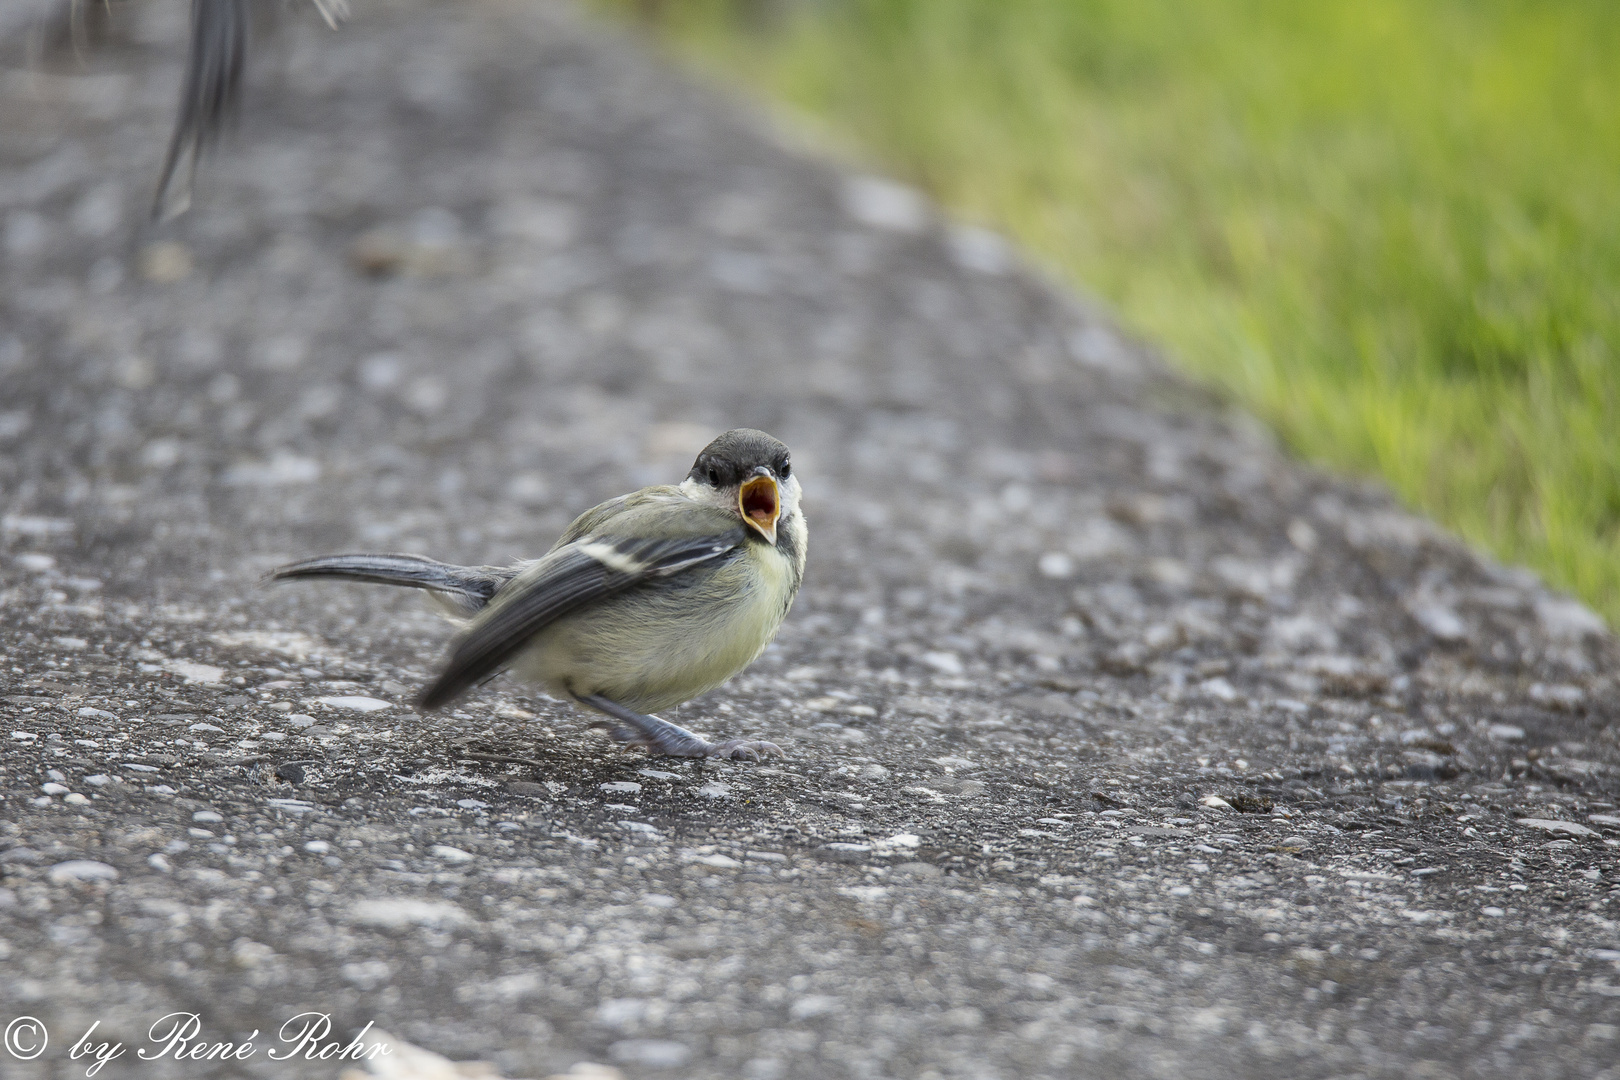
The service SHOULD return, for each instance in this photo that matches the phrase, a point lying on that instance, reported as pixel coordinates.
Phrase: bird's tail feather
(467, 588)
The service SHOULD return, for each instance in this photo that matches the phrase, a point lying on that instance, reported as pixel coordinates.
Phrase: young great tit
(646, 601)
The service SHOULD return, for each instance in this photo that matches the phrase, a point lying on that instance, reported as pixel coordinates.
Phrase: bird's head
(751, 474)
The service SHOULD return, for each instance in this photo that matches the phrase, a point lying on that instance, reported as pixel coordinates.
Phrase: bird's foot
(678, 742)
(670, 740)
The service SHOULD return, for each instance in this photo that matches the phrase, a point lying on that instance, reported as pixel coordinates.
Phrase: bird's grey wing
(566, 580)
(215, 64)
(468, 588)
(608, 516)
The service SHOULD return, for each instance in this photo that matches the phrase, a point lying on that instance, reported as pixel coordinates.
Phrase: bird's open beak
(760, 502)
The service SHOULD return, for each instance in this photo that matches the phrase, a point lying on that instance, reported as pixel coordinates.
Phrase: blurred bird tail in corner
(462, 590)
(216, 63)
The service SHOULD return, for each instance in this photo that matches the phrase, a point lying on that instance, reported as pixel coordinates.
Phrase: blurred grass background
(1391, 228)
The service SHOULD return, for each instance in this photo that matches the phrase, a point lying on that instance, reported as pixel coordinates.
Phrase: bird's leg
(663, 737)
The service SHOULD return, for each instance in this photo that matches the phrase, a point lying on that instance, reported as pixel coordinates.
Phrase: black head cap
(733, 457)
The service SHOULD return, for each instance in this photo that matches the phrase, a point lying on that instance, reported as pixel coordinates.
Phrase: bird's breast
(665, 642)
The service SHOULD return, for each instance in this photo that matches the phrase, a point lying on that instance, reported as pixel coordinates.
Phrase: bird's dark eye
(714, 477)
(786, 470)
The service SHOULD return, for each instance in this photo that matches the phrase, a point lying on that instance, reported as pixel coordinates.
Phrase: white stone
(282, 468)
(1440, 621)
(288, 643)
(812, 1005)
(367, 974)
(979, 250)
(1567, 619)
(81, 870)
(653, 1053)
(355, 703)
(1556, 827)
(1557, 695)
(27, 525)
(1056, 565)
(388, 1057)
(621, 1012)
(1101, 348)
(195, 673)
(398, 913)
(884, 204)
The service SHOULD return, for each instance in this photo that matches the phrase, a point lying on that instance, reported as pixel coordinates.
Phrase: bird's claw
(744, 750)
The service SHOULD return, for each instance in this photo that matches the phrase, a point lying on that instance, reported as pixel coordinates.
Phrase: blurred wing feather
(215, 63)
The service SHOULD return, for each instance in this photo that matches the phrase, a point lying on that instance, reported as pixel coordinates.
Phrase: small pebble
(81, 870)
(652, 1053)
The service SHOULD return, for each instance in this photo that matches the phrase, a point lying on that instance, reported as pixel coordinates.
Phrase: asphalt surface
(1118, 743)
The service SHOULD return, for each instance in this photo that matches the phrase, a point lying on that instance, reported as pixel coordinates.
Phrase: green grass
(1389, 227)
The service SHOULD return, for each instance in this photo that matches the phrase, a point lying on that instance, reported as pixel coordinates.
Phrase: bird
(644, 602)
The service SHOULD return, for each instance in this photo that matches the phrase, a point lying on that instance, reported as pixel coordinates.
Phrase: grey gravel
(1118, 743)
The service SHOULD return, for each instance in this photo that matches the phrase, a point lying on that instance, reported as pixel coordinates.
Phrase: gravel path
(1118, 744)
